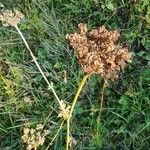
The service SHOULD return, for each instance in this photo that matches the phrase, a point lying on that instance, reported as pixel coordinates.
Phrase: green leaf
(47, 64)
(58, 65)
(110, 6)
(141, 53)
(79, 110)
(147, 57)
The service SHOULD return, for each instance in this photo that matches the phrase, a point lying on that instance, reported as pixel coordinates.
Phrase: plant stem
(35, 148)
(50, 85)
(102, 99)
(82, 83)
(55, 135)
(101, 107)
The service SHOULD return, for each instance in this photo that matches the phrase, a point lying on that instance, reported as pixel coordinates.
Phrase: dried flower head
(64, 110)
(72, 141)
(97, 51)
(34, 137)
(11, 18)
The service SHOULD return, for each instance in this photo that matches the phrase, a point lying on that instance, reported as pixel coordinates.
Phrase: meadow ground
(25, 99)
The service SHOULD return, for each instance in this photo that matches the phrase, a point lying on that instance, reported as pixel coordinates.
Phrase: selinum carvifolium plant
(98, 53)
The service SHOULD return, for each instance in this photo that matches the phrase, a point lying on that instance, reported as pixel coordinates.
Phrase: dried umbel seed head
(103, 34)
(34, 137)
(82, 28)
(64, 110)
(97, 51)
(11, 18)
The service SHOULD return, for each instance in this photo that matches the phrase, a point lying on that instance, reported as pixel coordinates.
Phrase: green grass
(24, 97)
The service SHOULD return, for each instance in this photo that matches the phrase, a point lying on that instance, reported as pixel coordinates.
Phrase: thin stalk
(55, 136)
(50, 85)
(101, 106)
(102, 99)
(35, 147)
(82, 83)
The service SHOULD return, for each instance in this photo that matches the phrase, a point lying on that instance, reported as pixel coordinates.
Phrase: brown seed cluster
(97, 51)
(11, 18)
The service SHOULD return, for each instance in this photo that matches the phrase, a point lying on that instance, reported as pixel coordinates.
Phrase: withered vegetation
(98, 52)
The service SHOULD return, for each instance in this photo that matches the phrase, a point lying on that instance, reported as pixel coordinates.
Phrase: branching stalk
(50, 85)
(72, 108)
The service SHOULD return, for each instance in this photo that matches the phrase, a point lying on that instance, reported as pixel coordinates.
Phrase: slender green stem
(72, 108)
(50, 85)
(101, 107)
(102, 99)
(55, 136)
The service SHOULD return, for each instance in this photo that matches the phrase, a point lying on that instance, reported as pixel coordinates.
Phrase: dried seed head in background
(97, 51)
(34, 137)
(11, 18)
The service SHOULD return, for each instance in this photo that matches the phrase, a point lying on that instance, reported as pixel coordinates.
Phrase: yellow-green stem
(35, 147)
(82, 83)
